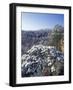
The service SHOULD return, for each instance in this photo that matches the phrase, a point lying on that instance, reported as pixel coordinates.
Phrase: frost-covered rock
(53, 68)
(40, 58)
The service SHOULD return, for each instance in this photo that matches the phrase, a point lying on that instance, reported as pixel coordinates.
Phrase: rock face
(43, 36)
(30, 38)
(42, 60)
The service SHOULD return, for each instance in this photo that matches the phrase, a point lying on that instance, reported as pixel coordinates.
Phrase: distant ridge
(41, 36)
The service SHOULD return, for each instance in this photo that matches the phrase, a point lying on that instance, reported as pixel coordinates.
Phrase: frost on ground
(42, 60)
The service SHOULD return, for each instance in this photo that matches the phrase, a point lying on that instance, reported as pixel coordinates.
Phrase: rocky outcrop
(42, 60)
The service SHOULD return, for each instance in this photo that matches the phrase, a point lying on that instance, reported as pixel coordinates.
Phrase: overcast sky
(36, 21)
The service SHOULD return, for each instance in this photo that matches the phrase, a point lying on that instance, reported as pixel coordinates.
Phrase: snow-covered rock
(38, 58)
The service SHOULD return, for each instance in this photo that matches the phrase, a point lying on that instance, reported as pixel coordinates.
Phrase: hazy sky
(36, 21)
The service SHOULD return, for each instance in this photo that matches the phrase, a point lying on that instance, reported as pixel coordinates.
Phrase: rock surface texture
(41, 60)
